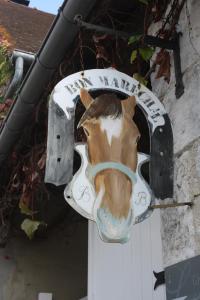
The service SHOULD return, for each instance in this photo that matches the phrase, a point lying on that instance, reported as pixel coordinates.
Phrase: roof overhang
(57, 42)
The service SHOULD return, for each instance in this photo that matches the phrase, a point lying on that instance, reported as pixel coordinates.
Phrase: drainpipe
(28, 57)
(54, 48)
(20, 59)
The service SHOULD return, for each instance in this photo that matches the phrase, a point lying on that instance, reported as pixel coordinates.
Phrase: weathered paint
(60, 146)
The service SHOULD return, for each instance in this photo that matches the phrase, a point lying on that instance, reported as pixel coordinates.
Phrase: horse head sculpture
(111, 186)
(112, 138)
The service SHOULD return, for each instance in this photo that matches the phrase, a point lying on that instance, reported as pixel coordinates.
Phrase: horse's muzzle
(112, 229)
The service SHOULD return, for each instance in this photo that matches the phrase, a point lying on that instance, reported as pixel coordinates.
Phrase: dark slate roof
(25, 26)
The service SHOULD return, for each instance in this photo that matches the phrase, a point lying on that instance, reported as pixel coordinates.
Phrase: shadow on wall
(56, 265)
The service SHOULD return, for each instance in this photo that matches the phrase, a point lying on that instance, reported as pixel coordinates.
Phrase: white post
(45, 296)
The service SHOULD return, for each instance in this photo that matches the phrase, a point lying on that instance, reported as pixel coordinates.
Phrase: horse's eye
(86, 131)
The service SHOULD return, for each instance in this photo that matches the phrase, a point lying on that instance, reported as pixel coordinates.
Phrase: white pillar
(45, 296)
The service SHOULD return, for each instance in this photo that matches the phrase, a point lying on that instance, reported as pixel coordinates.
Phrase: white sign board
(67, 90)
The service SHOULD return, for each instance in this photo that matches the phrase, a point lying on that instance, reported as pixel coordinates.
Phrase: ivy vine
(5, 65)
(156, 11)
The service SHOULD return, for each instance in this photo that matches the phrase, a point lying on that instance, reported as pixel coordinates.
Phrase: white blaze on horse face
(112, 127)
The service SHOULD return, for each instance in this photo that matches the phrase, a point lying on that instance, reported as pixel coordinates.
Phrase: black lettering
(77, 85)
(125, 85)
(145, 101)
(150, 103)
(155, 116)
(82, 83)
(115, 83)
(87, 81)
(104, 80)
(70, 89)
(154, 111)
(144, 97)
(133, 88)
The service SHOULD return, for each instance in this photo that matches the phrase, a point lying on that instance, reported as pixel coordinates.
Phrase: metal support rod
(171, 205)
(158, 42)
(79, 22)
(148, 40)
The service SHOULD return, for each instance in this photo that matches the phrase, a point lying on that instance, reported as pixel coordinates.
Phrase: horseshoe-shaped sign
(79, 192)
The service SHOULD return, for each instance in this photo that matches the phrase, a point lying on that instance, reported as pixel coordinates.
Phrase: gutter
(20, 59)
(58, 40)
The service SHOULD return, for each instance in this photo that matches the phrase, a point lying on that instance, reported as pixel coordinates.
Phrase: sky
(50, 6)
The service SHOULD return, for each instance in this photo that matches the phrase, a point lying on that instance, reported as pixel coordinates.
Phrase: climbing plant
(5, 66)
(156, 11)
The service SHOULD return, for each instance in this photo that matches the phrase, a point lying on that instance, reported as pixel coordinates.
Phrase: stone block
(181, 226)
(185, 112)
(177, 232)
(190, 28)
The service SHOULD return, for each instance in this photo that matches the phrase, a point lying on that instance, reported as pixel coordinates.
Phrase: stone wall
(181, 226)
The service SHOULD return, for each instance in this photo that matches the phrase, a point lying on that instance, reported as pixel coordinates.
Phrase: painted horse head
(112, 138)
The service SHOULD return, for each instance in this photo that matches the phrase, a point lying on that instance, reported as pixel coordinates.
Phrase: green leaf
(140, 78)
(5, 67)
(146, 2)
(134, 38)
(30, 227)
(133, 56)
(24, 209)
(146, 53)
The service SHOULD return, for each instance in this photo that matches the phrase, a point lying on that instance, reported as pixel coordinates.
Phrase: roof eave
(58, 40)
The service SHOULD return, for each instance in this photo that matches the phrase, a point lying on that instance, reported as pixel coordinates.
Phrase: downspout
(20, 59)
(57, 42)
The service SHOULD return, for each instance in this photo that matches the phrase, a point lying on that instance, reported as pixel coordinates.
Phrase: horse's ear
(128, 105)
(85, 98)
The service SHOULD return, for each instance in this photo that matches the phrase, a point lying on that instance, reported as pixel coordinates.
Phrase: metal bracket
(173, 44)
(160, 279)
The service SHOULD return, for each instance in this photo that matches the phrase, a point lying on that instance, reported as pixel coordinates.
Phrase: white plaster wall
(125, 272)
(181, 226)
